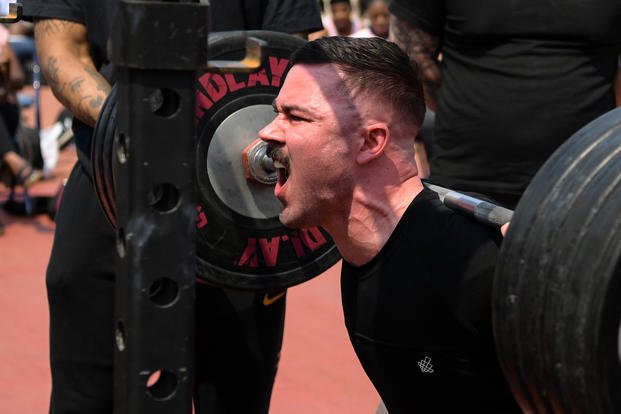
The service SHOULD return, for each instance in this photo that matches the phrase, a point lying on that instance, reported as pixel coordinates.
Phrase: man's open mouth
(281, 163)
(283, 171)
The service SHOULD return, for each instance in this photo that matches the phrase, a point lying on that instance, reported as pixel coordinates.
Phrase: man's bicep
(61, 40)
(56, 32)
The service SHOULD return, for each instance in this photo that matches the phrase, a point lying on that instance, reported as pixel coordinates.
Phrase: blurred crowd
(340, 19)
(28, 153)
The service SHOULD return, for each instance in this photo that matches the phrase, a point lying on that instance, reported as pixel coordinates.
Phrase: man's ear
(375, 141)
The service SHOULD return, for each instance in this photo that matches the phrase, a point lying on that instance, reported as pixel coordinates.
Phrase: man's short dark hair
(339, 1)
(370, 65)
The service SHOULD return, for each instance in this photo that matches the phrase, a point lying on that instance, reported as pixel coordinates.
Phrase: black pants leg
(238, 341)
(238, 336)
(80, 285)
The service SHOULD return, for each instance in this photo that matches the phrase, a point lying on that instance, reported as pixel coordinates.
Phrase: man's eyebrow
(286, 109)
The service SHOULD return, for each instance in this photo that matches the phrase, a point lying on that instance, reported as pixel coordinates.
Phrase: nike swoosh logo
(268, 300)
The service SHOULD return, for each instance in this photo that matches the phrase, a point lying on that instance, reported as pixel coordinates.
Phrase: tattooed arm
(62, 48)
(422, 48)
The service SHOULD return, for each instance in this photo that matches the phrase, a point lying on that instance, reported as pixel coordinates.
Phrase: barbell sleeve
(483, 211)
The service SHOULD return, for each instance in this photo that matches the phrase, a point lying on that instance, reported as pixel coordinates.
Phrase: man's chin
(290, 221)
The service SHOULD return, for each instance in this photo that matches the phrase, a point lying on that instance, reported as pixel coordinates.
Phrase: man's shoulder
(427, 211)
(447, 237)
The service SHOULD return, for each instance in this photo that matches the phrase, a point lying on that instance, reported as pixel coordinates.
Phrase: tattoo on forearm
(102, 83)
(76, 84)
(422, 48)
(85, 102)
(51, 70)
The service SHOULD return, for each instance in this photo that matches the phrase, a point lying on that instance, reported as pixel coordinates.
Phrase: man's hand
(62, 48)
(504, 228)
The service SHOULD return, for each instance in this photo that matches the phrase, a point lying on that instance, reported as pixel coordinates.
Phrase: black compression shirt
(419, 318)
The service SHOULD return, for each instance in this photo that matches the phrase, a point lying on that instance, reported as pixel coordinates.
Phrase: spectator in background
(238, 336)
(378, 19)
(517, 80)
(339, 22)
(362, 6)
(14, 169)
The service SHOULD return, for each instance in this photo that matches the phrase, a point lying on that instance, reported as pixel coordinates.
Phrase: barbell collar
(257, 165)
(250, 63)
(15, 14)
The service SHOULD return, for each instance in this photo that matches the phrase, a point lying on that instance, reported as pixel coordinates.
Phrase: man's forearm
(62, 47)
(422, 48)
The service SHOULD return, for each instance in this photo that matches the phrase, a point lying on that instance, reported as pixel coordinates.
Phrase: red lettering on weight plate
(258, 77)
(298, 248)
(203, 103)
(232, 82)
(270, 250)
(313, 238)
(201, 218)
(214, 85)
(250, 256)
(277, 67)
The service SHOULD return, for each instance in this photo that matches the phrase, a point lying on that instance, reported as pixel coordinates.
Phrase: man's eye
(296, 118)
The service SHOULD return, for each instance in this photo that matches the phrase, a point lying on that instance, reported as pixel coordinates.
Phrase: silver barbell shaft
(483, 211)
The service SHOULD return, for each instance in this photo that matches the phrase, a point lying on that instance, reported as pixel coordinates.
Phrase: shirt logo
(425, 365)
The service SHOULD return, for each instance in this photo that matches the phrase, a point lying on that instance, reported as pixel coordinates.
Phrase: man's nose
(271, 132)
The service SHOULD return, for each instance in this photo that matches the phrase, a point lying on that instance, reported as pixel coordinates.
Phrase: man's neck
(372, 219)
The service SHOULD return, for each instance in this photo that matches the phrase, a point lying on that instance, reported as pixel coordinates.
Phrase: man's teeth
(279, 164)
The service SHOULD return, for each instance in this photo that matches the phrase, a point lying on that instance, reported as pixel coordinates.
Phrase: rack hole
(122, 147)
(164, 292)
(161, 384)
(120, 243)
(164, 102)
(164, 197)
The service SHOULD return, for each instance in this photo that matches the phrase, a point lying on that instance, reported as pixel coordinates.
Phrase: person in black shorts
(416, 278)
(238, 336)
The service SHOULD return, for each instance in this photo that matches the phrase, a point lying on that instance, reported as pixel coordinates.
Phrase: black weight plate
(557, 291)
(102, 158)
(241, 242)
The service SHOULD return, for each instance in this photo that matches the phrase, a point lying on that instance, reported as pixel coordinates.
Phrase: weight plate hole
(164, 102)
(122, 147)
(164, 292)
(161, 384)
(164, 197)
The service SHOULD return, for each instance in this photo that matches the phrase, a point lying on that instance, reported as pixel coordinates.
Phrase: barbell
(241, 243)
(557, 290)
